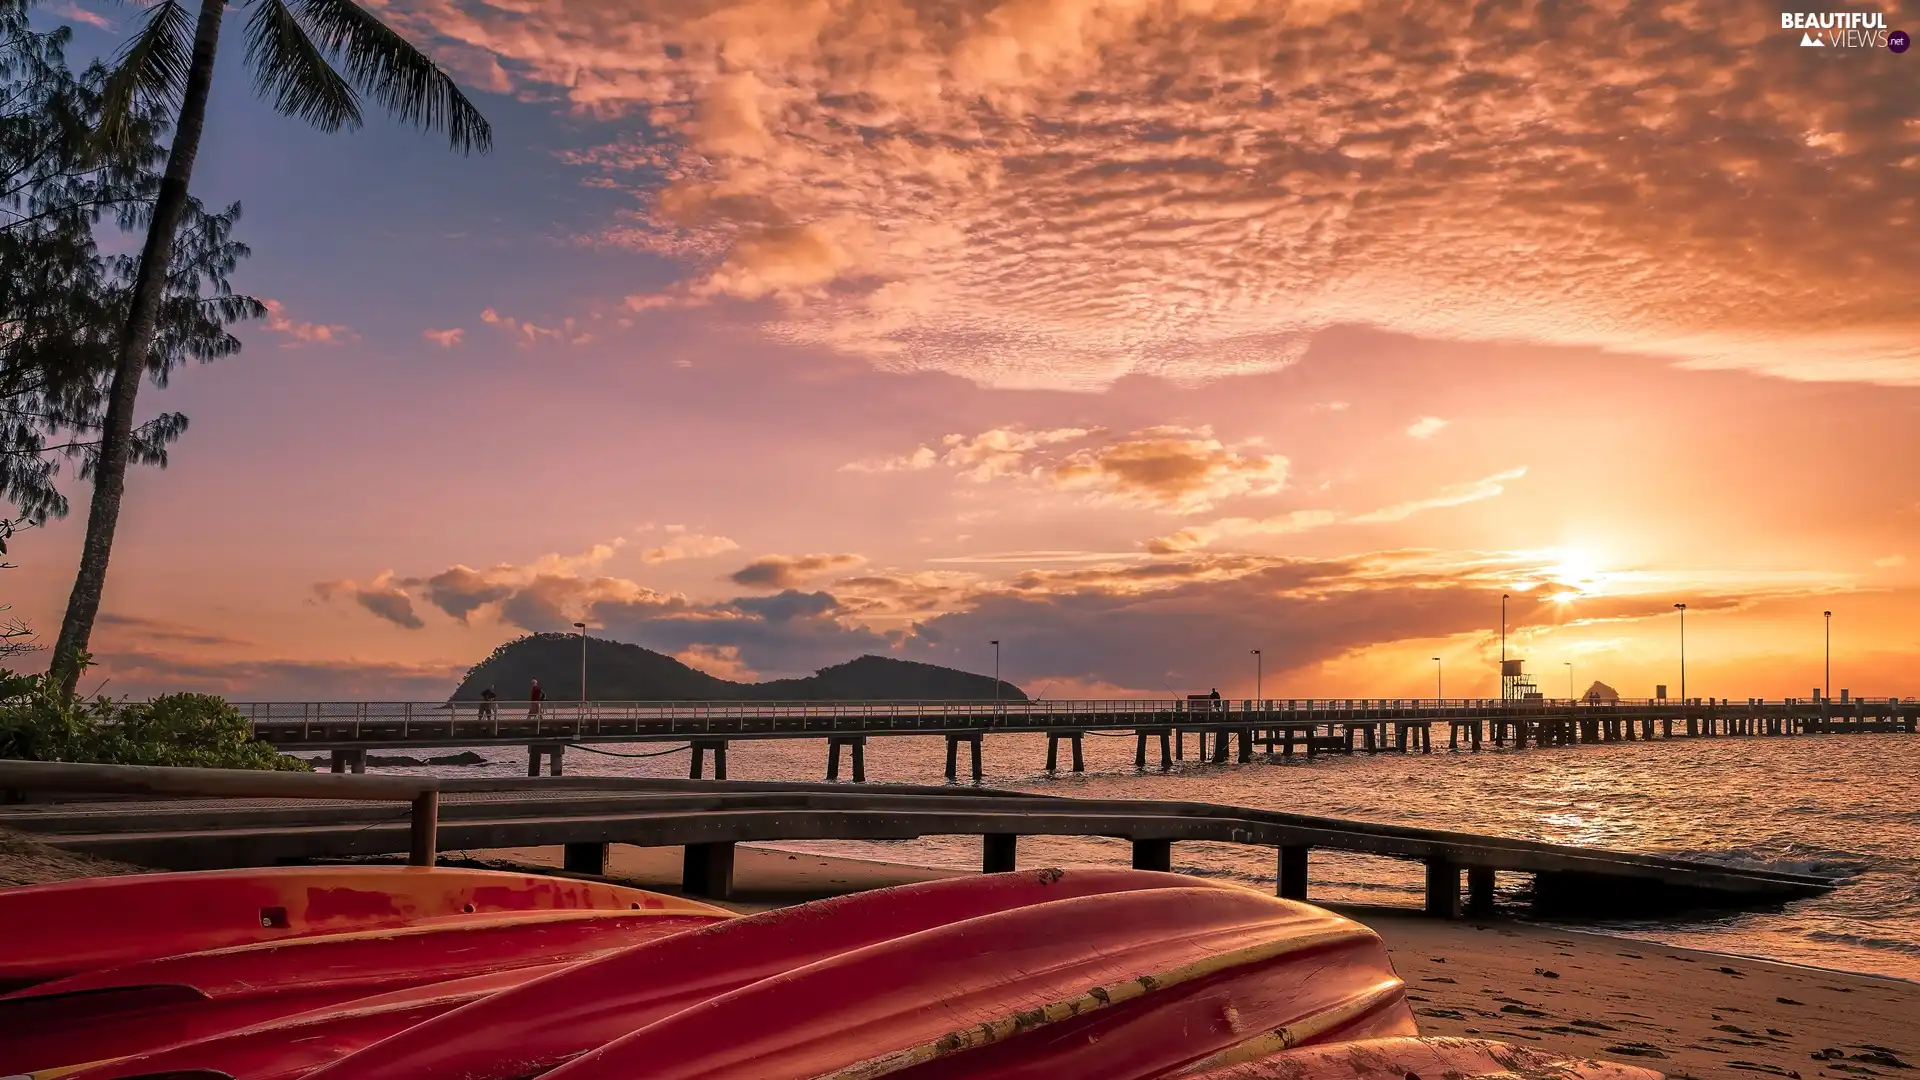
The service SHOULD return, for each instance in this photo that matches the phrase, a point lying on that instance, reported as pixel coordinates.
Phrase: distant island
(617, 671)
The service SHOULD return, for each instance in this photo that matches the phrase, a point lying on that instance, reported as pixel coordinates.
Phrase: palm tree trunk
(136, 342)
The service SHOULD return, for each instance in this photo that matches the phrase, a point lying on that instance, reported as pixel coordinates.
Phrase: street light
(1438, 697)
(1569, 664)
(1826, 684)
(1683, 652)
(1503, 646)
(996, 672)
(582, 627)
(1257, 695)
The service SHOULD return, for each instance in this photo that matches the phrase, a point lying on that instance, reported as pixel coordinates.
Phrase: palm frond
(397, 75)
(152, 68)
(291, 72)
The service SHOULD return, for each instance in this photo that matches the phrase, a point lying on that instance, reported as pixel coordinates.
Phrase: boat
(1033, 975)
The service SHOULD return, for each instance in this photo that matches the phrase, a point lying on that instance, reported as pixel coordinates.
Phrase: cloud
(304, 333)
(446, 339)
(1195, 537)
(162, 630)
(792, 571)
(381, 596)
(1172, 469)
(1169, 468)
(1426, 427)
(569, 332)
(1332, 406)
(1890, 561)
(66, 9)
(688, 546)
(1063, 192)
(145, 672)
(1452, 495)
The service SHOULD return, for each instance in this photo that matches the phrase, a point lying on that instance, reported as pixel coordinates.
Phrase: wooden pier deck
(1226, 730)
(585, 814)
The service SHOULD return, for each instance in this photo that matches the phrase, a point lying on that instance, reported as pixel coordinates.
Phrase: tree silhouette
(311, 59)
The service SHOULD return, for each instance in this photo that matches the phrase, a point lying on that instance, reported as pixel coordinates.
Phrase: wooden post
(426, 828)
(553, 759)
(339, 760)
(1443, 888)
(584, 858)
(1246, 746)
(1079, 762)
(860, 760)
(1053, 751)
(953, 755)
(1140, 751)
(1480, 890)
(997, 852)
(1291, 881)
(357, 761)
(1153, 855)
(1166, 755)
(976, 757)
(707, 870)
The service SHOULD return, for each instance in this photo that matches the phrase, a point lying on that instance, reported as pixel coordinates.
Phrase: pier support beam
(584, 858)
(351, 759)
(707, 870)
(697, 766)
(857, 744)
(1246, 746)
(1153, 855)
(1443, 888)
(1053, 750)
(1290, 882)
(1140, 750)
(1480, 890)
(997, 852)
(953, 752)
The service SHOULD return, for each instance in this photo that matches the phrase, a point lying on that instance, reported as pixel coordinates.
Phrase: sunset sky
(1136, 334)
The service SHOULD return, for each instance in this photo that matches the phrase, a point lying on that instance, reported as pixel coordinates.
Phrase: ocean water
(1841, 805)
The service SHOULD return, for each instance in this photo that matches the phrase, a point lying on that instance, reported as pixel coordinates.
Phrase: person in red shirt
(534, 697)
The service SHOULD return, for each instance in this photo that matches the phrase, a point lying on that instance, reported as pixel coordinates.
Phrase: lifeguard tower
(1515, 683)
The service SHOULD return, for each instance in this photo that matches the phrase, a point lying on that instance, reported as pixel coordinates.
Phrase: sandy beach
(1687, 1013)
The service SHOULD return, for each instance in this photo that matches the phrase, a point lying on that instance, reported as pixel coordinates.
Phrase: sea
(1847, 806)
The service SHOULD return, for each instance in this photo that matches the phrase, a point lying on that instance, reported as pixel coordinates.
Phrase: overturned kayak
(1039, 975)
(102, 922)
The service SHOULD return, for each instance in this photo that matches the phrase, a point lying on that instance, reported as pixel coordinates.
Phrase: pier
(1225, 731)
(707, 819)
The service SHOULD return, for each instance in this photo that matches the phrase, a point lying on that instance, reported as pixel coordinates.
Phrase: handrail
(423, 792)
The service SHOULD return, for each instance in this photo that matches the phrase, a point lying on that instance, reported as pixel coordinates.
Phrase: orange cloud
(446, 339)
(1171, 469)
(791, 571)
(304, 333)
(1060, 193)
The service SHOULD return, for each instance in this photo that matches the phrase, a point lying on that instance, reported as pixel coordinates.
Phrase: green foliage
(62, 302)
(39, 723)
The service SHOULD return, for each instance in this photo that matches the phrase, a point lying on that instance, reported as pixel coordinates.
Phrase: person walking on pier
(1214, 697)
(534, 697)
(488, 710)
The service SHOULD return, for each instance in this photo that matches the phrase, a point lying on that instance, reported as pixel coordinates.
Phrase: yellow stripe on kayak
(1268, 1043)
(1098, 997)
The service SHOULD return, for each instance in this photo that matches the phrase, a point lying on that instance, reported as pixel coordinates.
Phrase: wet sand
(1686, 1013)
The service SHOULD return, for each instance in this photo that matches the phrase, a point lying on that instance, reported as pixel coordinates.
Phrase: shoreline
(1687, 1012)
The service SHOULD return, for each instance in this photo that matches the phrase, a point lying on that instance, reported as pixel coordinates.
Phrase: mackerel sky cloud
(1062, 192)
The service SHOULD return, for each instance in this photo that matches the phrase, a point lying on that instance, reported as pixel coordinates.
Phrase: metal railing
(287, 722)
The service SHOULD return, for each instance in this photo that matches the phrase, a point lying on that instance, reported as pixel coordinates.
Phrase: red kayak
(104, 922)
(155, 1003)
(293, 1046)
(1049, 975)
(545, 1024)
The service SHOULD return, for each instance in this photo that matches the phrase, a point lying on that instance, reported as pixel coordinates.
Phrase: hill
(617, 671)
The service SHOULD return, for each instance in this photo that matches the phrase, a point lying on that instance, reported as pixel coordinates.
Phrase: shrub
(38, 723)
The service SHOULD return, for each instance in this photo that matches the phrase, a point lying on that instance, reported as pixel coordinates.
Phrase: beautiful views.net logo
(1845, 30)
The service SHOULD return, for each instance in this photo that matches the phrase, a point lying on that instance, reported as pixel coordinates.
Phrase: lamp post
(1683, 652)
(1257, 695)
(1826, 684)
(996, 673)
(1438, 697)
(1569, 664)
(1503, 646)
(582, 627)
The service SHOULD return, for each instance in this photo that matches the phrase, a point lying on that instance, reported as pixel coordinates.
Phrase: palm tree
(307, 58)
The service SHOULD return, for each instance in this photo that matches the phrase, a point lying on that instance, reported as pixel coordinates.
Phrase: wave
(1841, 866)
(1864, 941)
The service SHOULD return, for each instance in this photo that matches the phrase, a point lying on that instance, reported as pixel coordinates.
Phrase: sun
(1579, 571)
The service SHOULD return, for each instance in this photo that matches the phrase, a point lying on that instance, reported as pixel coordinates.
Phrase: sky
(1136, 335)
